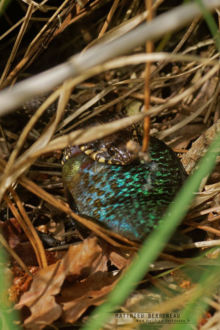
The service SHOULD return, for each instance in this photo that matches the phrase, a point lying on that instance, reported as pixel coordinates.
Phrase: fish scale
(127, 199)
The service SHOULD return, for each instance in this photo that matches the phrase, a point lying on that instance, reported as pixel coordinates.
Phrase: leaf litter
(68, 287)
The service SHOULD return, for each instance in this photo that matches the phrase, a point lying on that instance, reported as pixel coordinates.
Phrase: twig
(202, 244)
(149, 50)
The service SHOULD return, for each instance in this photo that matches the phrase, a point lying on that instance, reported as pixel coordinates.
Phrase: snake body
(128, 199)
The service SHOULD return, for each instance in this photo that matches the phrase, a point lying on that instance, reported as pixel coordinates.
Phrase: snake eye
(111, 151)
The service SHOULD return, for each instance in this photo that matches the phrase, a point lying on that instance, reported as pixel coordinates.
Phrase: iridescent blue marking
(129, 199)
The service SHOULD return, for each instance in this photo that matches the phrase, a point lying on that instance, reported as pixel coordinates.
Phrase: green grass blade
(7, 315)
(208, 282)
(210, 22)
(197, 303)
(156, 241)
(3, 5)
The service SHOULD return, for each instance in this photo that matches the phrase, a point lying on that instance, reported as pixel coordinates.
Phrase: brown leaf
(118, 260)
(80, 261)
(185, 135)
(199, 147)
(91, 291)
(12, 232)
(26, 252)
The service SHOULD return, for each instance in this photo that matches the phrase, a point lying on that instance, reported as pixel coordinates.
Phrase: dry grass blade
(55, 15)
(28, 228)
(124, 27)
(25, 133)
(86, 106)
(43, 140)
(108, 18)
(21, 20)
(190, 118)
(100, 109)
(43, 38)
(23, 91)
(202, 244)
(14, 255)
(17, 42)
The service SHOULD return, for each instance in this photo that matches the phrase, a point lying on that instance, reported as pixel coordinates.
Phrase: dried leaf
(92, 291)
(118, 260)
(199, 147)
(80, 261)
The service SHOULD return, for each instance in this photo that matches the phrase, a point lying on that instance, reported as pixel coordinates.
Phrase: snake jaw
(111, 150)
(112, 156)
(69, 153)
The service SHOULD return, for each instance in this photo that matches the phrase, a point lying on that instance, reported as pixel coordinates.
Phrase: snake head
(110, 150)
